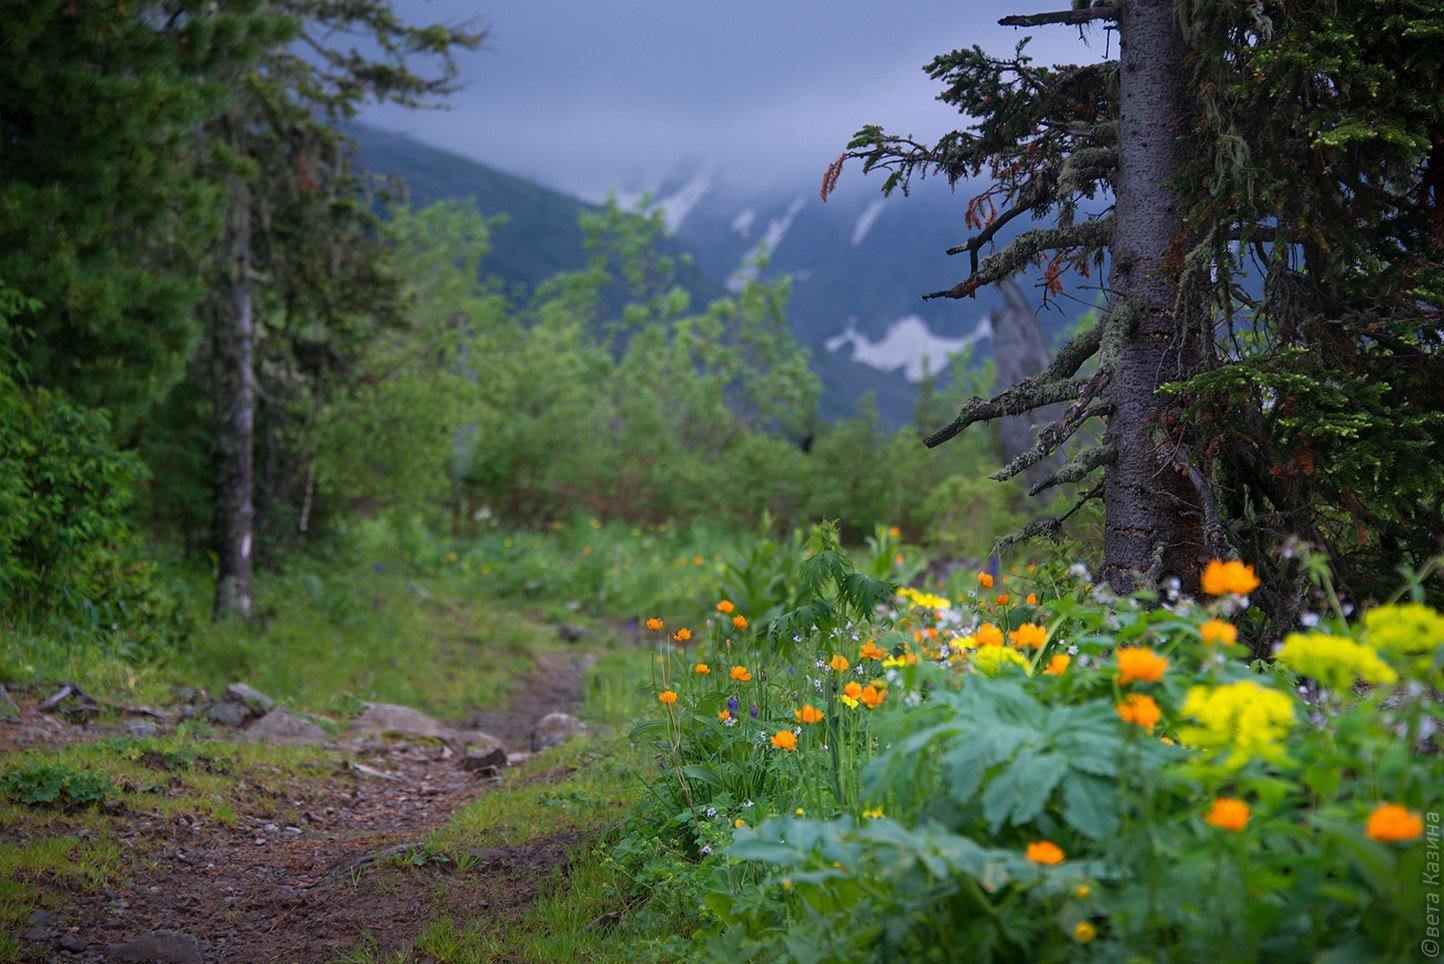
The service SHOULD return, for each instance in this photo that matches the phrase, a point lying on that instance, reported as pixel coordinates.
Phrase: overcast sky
(587, 94)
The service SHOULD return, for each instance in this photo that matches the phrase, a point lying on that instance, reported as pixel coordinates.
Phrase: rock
(478, 760)
(69, 942)
(556, 728)
(159, 947)
(227, 713)
(382, 718)
(39, 919)
(38, 934)
(187, 712)
(257, 702)
(141, 728)
(573, 634)
(187, 694)
(476, 738)
(278, 726)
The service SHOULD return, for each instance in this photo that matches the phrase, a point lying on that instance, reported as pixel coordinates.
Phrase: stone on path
(278, 726)
(479, 761)
(254, 700)
(381, 718)
(159, 947)
(227, 713)
(556, 728)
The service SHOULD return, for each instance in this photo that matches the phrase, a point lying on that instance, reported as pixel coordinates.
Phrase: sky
(589, 95)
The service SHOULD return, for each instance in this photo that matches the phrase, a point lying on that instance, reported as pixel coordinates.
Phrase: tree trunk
(233, 341)
(1152, 519)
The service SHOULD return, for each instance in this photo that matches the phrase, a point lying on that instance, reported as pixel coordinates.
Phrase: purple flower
(753, 710)
(733, 706)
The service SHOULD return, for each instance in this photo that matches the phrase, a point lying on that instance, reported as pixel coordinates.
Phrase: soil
(312, 869)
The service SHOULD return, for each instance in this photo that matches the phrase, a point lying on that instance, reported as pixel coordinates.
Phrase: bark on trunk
(1152, 518)
(233, 341)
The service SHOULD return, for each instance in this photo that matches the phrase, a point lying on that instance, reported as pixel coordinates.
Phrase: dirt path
(320, 865)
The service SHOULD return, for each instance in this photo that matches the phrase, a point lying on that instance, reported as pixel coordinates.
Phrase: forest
(382, 583)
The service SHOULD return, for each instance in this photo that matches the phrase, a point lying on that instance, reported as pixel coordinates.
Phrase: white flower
(1309, 620)
(706, 849)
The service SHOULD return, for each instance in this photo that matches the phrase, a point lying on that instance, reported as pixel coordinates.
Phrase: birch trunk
(233, 387)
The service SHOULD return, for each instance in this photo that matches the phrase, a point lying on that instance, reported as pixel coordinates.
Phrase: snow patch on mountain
(742, 223)
(865, 221)
(909, 345)
(777, 229)
(676, 206)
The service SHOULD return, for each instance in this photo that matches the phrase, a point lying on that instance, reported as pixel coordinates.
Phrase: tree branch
(1053, 436)
(1077, 468)
(1085, 15)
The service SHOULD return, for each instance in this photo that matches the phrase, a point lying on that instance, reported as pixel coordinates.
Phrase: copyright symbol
(1430, 948)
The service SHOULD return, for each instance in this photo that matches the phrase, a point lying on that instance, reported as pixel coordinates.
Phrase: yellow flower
(1140, 710)
(1391, 823)
(701, 669)
(1083, 932)
(1045, 852)
(739, 621)
(924, 600)
(839, 662)
(1058, 664)
(810, 714)
(784, 740)
(667, 696)
(870, 651)
(1334, 661)
(1409, 628)
(725, 606)
(988, 635)
(1217, 631)
(682, 635)
(739, 823)
(1082, 891)
(985, 580)
(872, 814)
(1222, 578)
(740, 674)
(995, 660)
(654, 623)
(1029, 634)
(1228, 814)
(848, 701)
(871, 696)
(1137, 663)
(1245, 718)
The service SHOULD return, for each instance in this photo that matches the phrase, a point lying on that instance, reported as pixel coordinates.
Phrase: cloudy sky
(586, 95)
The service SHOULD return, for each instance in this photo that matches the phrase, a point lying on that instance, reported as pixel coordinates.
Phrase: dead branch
(1071, 17)
(1077, 468)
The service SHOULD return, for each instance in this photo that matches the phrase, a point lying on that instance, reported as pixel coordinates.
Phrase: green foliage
(55, 785)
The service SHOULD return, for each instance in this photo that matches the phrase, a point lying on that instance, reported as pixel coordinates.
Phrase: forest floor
(210, 844)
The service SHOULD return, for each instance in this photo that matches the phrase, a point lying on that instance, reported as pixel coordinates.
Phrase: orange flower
(697, 560)
(839, 662)
(739, 621)
(1137, 663)
(1140, 710)
(1045, 852)
(1058, 664)
(870, 696)
(1029, 634)
(1032, 599)
(1221, 578)
(682, 635)
(985, 579)
(701, 669)
(667, 696)
(894, 532)
(870, 651)
(1003, 599)
(725, 607)
(810, 714)
(784, 740)
(1228, 814)
(988, 635)
(654, 623)
(899, 559)
(725, 715)
(740, 674)
(930, 633)
(852, 690)
(1391, 823)
(1218, 631)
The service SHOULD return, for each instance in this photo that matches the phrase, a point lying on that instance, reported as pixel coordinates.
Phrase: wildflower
(870, 696)
(682, 635)
(1137, 663)
(733, 705)
(1334, 661)
(853, 689)
(739, 823)
(1083, 932)
(701, 669)
(724, 716)
(667, 696)
(784, 740)
(1032, 599)
(1058, 664)
(725, 606)
(872, 814)
(1228, 814)
(654, 623)
(752, 710)
(988, 635)
(1168, 740)
(809, 714)
(1002, 599)
(1391, 823)
(1246, 718)
(1044, 852)
(1140, 710)
(839, 662)
(1029, 634)
(1217, 631)
(870, 651)
(849, 701)
(1411, 628)
(740, 674)
(799, 811)
(1082, 891)
(995, 660)
(985, 580)
(1222, 578)
(739, 621)
(698, 560)
(899, 559)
